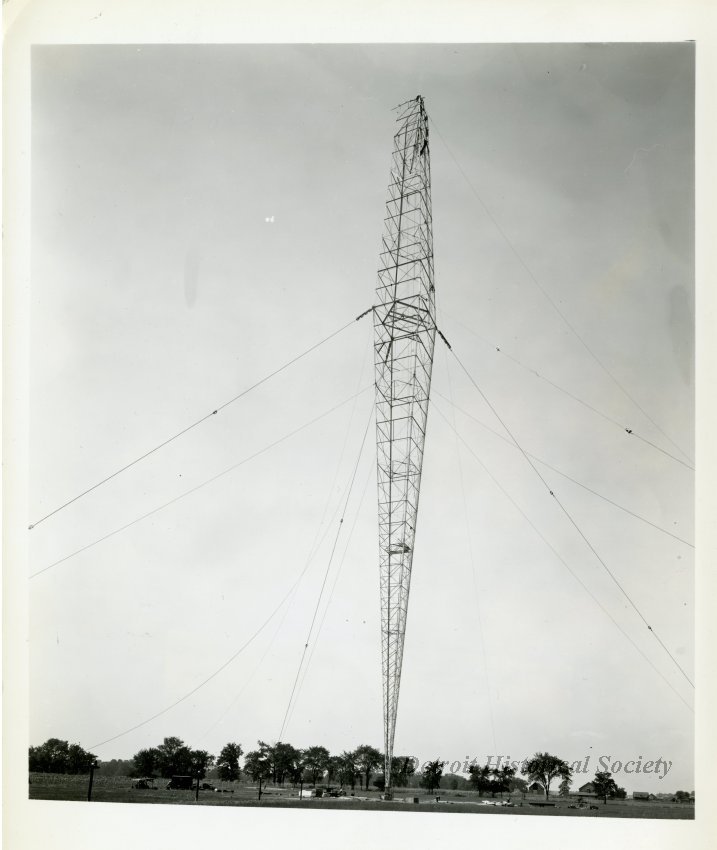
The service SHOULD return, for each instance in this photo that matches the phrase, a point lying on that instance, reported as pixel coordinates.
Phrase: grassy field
(120, 790)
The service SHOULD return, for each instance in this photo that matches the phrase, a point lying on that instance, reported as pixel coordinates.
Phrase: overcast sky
(203, 214)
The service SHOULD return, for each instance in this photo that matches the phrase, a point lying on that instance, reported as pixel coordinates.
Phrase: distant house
(643, 795)
(535, 788)
(588, 790)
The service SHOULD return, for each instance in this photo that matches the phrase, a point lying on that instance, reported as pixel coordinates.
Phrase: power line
(630, 431)
(199, 486)
(197, 422)
(560, 313)
(572, 521)
(568, 477)
(559, 557)
(326, 575)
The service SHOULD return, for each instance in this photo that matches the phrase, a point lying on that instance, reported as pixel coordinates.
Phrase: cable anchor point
(442, 336)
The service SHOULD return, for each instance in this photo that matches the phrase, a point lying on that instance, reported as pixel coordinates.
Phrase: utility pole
(404, 335)
(93, 767)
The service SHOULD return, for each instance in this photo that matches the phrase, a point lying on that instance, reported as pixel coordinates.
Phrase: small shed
(536, 788)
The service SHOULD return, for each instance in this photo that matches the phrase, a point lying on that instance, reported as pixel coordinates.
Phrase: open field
(119, 790)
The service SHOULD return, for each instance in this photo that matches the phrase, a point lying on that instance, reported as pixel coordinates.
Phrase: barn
(587, 790)
(535, 788)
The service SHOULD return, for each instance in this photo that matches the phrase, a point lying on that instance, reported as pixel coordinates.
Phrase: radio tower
(404, 334)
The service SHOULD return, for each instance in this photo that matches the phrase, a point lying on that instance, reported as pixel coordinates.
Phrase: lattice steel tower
(404, 334)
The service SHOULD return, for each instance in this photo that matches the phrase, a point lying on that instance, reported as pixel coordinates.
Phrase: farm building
(587, 790)
(536, 788)
(642, 795)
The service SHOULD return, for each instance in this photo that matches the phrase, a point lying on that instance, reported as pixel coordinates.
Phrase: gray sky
(160, 290)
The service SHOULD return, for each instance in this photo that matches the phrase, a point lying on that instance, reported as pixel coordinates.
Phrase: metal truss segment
(404, 336)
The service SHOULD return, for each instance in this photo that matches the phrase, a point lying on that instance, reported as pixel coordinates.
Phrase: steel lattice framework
(404, 334)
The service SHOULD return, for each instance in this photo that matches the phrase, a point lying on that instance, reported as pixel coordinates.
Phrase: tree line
(282, 762)
(543, 769)
(278, 763)
(57, 756)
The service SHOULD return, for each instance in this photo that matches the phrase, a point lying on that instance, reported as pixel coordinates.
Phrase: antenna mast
(404, 335)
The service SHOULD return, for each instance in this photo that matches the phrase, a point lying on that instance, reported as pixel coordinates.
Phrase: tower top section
(412, 120)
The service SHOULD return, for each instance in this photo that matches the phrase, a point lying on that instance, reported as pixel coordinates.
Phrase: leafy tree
(564, 788)
(402, 767)
(518, 784)
(619, 793)
(228, 768)
(604, 785)
(348, 770)
(78, 760)
(285, 761)
(502, 777)
(334, 769)
(174, 758)
(432, 773)
(146, 763)
(199, 762)
(296, 769)
(682, 796)
(543, 768)
(367, 759)
(316, 761)
(57, 756)
(481, 778)
(258, 763)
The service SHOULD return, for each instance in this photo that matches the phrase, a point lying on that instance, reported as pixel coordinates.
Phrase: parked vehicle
(181, 783)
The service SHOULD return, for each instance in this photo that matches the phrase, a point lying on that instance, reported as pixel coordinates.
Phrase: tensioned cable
(326, 574)
(253, 673)
(481, 634)
(313, 549)
(199, 486)
(551, 301)
(216, 672)
(316, 544)
(560, 557)
(338, 572)
(631, 432)
(331, 596)
(565, 475)
(572, 521)
(198, 421)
